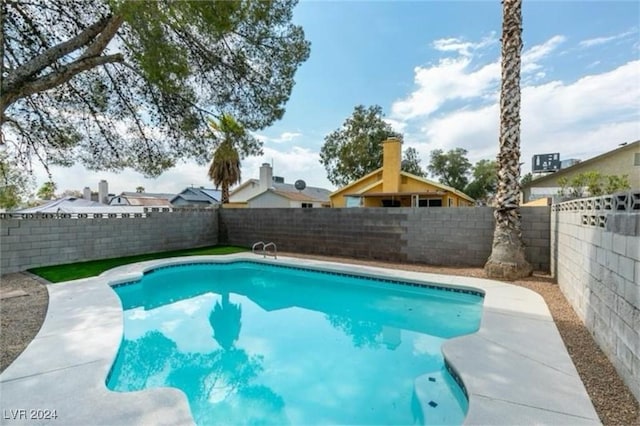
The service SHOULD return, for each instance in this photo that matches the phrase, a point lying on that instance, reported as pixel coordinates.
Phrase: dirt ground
(21, 317)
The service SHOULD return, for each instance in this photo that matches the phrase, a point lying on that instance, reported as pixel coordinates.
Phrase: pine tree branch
(51, 55)
(106, 35)
(56, 78)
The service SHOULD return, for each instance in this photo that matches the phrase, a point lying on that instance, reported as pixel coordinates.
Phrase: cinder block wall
(42, 241)
(455, 237)
(444, 236)
(596, 260)
(463, 236)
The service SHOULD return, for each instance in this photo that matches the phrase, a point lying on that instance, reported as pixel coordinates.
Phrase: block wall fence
(50, 239)
(437, 236)
(448, 236)
(595, 246)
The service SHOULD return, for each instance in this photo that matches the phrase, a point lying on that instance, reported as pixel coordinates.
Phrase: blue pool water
(250, 343)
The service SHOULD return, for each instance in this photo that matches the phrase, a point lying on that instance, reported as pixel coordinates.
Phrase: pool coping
(515, 369)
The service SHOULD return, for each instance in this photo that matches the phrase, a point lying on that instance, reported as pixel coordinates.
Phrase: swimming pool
(257, 343)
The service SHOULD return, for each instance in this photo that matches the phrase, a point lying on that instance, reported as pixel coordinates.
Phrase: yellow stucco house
(389, 186)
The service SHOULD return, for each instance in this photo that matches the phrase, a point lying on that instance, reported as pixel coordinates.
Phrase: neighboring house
(278, 198)
(389, 186)
(624, 160)
(197, 197)
(63, 205)
(272, 191)
(79, 205)
(142, 199)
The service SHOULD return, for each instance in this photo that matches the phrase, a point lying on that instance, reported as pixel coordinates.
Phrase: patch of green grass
(92, 268)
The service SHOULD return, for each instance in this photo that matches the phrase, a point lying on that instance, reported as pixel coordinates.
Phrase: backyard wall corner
(595, 257)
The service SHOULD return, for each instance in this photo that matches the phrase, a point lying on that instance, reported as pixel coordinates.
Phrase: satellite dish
(300, 185)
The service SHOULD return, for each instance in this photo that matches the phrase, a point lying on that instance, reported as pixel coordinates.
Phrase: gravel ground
(21, 318)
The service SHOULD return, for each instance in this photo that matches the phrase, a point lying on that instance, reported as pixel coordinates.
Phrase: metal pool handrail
(265, 252)
(275, 250)
(255, 245)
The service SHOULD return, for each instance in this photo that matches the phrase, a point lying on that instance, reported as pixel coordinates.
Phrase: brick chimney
(391, 163)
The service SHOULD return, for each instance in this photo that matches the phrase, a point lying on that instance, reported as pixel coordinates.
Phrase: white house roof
(143, 199)
(311, 193)
(79, 205)
(289, 195)
(157, 195)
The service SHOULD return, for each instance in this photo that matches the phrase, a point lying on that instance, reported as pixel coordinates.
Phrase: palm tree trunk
(507, 258)
(225, 192)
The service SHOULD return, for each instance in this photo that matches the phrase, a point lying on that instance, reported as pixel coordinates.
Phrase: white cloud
(396, 125)
(590, 99)
(458, 79)
(473, 129)
(531, 57)
(283, 137)
(448, 80)
(598, 41)
(579, 119)
(289, 136)
(455, 104)
(461, 47)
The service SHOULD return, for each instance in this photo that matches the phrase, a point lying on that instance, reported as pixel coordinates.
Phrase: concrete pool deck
(516, 369)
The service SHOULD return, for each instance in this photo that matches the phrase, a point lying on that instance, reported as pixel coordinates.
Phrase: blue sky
(434, 68)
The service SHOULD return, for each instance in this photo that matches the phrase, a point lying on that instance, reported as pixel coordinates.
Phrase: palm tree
(225, 168)
(507, 258)
(233, 144)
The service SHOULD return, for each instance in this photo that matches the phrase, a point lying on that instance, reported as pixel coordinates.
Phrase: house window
(636, 159)
(307, 205)
(430, 202)
(390, 203)
(451, 204)
(353, 202)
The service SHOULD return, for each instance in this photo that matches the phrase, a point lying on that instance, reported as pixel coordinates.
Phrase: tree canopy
(526, 179)
(451, 168)
(411, 162)
(355, 149)
(47, 191)
(592, 183)
(13, 184)
(485, 177)
(127, 83)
